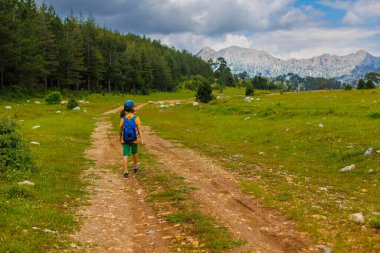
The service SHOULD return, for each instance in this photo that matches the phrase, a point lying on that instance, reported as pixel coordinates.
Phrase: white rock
(36, 228)
(36, 127)
(261, 153)
(248, 99)
(323, 188)
(324, 248)
(357, 217)
(8, 107)
(178, 103)
(370, 170)
(368, 152)
(58, 112)
(150, 102)
(76, 108)
(247, 118)
(195, 104)
(348, 168)
(321, 125)
(48, 231)
(258, 99)
(63, 102)
(35, 143)
(150, 232)
(26, 182)
(37, 102)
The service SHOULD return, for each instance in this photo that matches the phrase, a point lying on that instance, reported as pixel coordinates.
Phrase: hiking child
(129, 123)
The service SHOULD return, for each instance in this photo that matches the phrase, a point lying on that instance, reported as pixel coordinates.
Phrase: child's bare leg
(125, 164)
(135, 162)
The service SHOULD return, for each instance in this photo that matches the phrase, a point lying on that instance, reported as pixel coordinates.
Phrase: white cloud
(357, 12)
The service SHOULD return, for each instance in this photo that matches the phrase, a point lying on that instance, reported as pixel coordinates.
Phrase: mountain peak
(206, 50)
(254, 62)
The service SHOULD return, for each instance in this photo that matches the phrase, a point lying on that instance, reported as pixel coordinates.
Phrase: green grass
(289, 148)
(51, 203)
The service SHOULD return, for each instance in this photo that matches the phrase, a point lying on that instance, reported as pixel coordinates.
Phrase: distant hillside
(345, 68)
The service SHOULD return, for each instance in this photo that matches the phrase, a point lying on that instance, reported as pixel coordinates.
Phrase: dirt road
(119, 220)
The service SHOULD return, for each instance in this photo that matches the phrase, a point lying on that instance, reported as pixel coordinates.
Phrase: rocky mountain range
(347, 68)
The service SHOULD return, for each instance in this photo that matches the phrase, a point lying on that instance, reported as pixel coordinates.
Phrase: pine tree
(93, 59)
(73, 52)
(48, 43)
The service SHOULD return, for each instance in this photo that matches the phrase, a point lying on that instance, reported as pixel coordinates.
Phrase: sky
(283, 28)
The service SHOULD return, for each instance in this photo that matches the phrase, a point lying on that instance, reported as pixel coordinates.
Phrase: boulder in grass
(368, 152)
(249, 99)
(76, 108)
(63, 102)
(321, 125)
(150, 102)
(357, 217)
(58, 112)
(36, 127)
(37, 102)
(195, 104)
(26, 182)
(8, 107)
(348, 168)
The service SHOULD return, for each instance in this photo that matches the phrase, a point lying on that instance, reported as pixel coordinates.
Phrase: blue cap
(129, 103)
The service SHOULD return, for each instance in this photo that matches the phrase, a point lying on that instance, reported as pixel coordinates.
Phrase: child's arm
(121, 130)
(140, 133)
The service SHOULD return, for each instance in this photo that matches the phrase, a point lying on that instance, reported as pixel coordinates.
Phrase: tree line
(41, 51)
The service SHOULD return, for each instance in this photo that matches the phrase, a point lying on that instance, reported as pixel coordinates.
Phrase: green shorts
(129, 148)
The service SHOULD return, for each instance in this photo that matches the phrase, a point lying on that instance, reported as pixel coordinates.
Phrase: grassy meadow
(26, 211)
(288, 150)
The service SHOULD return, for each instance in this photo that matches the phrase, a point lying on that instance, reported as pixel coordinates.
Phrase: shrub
(14, 153)
(53, 98)
(374, 115)
(361, 85)
(204, 92)
(347, 87)
(375, 222)
(72, 104)
(249, 91)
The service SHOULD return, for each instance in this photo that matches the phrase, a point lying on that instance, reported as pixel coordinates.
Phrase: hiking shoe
(125, 175)
(135, 170)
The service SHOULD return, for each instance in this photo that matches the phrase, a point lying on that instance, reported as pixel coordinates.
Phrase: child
(128, 137)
